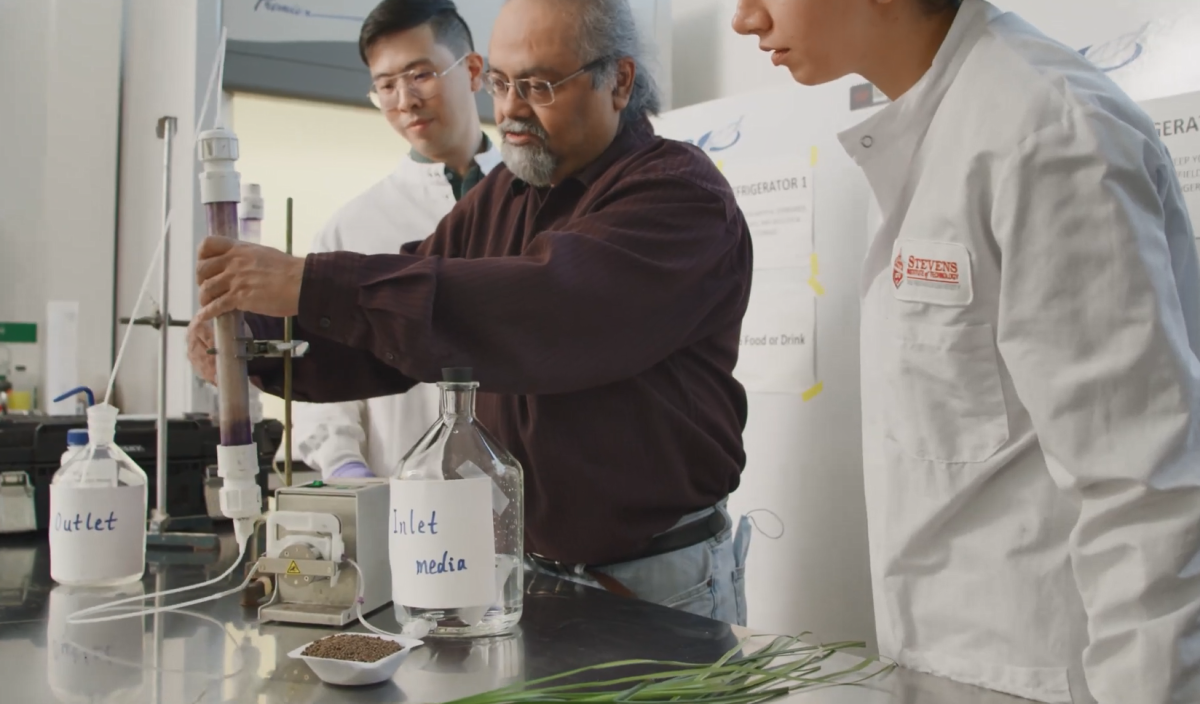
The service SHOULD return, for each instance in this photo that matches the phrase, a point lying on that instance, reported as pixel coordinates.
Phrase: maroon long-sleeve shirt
(601, 317)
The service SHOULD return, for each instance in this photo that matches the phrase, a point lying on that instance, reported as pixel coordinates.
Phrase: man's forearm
(329, 372)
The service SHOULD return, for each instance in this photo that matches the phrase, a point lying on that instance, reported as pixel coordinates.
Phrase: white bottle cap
(219, 182)
(252, 202)
(102, 423)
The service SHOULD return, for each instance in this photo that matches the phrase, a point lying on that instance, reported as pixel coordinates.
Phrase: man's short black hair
(394, 16)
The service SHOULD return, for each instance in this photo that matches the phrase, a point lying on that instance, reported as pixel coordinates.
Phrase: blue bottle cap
(77, 437)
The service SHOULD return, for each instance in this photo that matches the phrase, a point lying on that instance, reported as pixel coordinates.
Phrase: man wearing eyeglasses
(425, 73)
(596, 283)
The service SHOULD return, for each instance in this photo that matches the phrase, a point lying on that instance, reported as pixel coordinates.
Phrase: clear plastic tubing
(251, 213)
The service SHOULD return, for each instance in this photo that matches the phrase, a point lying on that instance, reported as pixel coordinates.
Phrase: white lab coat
(404, 207)
(1031, 390)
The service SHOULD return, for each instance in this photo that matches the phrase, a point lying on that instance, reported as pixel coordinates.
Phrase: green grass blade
(783, 666)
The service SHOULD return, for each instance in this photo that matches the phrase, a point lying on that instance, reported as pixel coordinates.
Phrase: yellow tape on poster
(813, 392)
(816, 286)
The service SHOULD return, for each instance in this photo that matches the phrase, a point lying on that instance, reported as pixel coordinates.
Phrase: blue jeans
(707, 579)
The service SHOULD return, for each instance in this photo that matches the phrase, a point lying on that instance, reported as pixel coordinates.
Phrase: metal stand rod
(287, 375)
(159, 632)
(165, 131)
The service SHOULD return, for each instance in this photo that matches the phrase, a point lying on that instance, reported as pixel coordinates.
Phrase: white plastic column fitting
(241, 496)
(219, 182)
(252, 202)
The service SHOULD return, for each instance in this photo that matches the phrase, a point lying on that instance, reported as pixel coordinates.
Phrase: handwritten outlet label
(441, 542)
(97, 534)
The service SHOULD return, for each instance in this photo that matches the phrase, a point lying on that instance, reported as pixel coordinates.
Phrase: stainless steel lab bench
(217, 653)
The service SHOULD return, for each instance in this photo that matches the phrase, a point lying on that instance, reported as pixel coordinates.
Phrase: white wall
(23, 70)
(319, 155)
(59, 75)
(169, 48)
(710, 61)
(62, 64)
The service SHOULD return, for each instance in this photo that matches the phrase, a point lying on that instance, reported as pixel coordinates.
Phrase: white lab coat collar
(887, 146)
(490, 159)
(409, 170)
(897, 130)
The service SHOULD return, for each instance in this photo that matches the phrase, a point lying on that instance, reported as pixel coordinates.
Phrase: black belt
(685, 536)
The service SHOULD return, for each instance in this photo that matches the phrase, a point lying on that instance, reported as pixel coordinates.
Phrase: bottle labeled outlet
(97, 509)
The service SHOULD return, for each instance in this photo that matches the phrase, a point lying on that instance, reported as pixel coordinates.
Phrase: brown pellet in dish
(352, 648)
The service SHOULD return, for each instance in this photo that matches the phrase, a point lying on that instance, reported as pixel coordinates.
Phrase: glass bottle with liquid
(22, 398)
(457, 525)
(97, 509)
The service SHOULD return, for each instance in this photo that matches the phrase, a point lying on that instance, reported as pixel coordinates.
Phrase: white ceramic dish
(350, 674)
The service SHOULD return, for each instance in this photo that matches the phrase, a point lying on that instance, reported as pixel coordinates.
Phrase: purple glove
(352, 470)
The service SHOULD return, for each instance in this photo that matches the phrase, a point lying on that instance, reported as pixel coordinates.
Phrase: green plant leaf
(785, 665)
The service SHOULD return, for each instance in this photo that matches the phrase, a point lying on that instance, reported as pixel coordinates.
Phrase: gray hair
(608, 31)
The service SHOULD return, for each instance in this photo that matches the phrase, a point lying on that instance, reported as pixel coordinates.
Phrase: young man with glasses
(425, 73)
(596, 283)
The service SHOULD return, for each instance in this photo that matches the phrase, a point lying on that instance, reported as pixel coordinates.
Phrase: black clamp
(268, 349)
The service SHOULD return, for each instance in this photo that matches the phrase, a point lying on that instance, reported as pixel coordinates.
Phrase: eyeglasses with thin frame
(538, 92)
(420, 84)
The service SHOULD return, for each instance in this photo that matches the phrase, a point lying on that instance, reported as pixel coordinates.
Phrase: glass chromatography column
(237, 455)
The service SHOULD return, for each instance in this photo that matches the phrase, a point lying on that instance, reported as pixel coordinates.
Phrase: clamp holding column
(267, 349)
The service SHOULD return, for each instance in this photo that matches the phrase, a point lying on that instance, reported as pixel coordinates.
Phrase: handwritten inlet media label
(96, 534)
(442, 546)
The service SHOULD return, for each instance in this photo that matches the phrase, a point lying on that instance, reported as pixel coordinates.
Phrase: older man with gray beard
(596, 284)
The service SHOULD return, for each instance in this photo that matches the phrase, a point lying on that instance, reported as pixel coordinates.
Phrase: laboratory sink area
(219, 652)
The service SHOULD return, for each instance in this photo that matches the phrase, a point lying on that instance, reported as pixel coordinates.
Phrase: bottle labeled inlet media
(97, 509)
(457, 523)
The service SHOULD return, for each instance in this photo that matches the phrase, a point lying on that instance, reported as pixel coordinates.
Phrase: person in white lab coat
(1030, 327)
(425, 72)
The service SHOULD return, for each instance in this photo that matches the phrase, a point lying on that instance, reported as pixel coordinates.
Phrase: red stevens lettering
(935, 270)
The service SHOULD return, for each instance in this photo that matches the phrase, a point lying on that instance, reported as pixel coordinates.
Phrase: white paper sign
(776, 197)
(443, 551)
(97, 534)
(1178, 122)
(777, 352)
